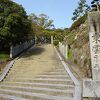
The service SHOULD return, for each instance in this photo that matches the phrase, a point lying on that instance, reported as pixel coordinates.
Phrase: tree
(76, 14)
(14, 24)
(41, 24)
(45, 22)
(95, 5)
(82, 9)
(42, 20)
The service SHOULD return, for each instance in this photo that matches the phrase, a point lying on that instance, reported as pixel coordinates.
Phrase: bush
(78, 22)
(70, 54)
(71, 38)
(4, 56)
(56, 42)
(75, 61)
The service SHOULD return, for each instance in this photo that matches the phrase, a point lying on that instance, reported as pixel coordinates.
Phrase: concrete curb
(78, 90)
(6, 70)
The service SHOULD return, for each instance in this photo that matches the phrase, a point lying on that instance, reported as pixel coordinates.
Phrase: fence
(63, 50)
(15, 50)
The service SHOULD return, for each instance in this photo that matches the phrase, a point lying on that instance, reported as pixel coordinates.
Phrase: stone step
(44, 85)
(55, 81)
(53, 76)
(42, 76)
(51, 82)
(59, 69)
(34, 96)
(31, 71)
(58, 72)
(24, 69)
(31, 68)
(39, 78)
(35, 73)
(54, 92)
(9, 97)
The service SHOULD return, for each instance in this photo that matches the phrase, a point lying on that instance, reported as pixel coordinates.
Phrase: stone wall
(78, 41)
(15, 50)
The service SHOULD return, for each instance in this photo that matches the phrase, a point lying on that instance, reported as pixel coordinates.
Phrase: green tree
(82, 9)
(42, 20)
(45, 22)
(14, 24)
(95, 5)
(41, 25)
(76, 14)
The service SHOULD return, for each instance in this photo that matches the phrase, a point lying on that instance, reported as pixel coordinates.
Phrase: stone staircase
(51, 84)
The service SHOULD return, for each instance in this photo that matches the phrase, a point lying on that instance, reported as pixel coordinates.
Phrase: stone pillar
(60, 47)
(66, 51)
(35, 39)
(11, 51)
(94, 34)
(51, 39)
(91, 87)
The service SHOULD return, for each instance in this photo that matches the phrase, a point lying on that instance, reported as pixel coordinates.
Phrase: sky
(60, 11)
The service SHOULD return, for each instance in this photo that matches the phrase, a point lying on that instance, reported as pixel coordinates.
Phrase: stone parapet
(15, 50)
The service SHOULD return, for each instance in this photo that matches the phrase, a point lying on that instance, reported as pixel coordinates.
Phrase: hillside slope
(79, 50)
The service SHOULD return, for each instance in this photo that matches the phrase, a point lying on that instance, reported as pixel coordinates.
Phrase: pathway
(38, 75)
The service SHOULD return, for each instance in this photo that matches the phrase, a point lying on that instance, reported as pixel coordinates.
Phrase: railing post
(51, 39)
(11, 49)
(66, 51)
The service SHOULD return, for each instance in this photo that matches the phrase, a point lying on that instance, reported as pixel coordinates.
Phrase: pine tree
(95, 5)
(82, 9)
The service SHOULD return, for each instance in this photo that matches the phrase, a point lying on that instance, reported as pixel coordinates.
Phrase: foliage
(75, 61)
(14, 23)
(59, 34)
(56, 42)
(78, 22)
(4, 56)
(95, 5)
(70, 54)
(82, 9)
(42, 20)
(42, 26)
(76, 14)
(71, 38)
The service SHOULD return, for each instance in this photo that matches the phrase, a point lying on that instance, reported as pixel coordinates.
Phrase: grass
(71, 38)
(70, 54)
(4, 57)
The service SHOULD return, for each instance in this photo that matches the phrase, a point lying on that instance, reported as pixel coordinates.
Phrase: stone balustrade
(15, 50)
(63, 50)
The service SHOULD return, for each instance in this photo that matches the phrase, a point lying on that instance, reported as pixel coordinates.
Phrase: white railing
(63, 50)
